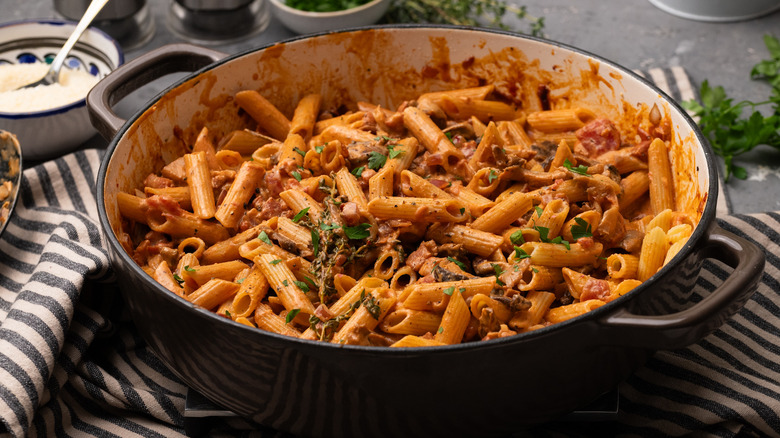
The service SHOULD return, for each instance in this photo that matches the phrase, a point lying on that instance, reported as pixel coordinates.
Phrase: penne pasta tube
(417, 209)
(540, 304)
(622, 266)
(476, 241)
(212, 293)
(231, 209)
(410, 322)
(569, 119)
(252, 290)
(557, 255)
(415, 341)
(660, 174)
(653, 253)
(199, 183)
(503, 213)
(455, 320)
(267, 116)
(305, 116)
(266, 319)
(366, 317)
(569, 311)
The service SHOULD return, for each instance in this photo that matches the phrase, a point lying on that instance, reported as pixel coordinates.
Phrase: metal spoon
(53, 75)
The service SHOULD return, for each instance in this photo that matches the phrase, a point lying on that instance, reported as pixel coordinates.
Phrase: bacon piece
(158, 182)
(595, 289)
(599, 136)
(350, 213)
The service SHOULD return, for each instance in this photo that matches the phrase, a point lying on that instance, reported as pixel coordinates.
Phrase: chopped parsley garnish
(300, 152)
(358, 171)
(296, 175)
(498, 270)
(376, 160)
(285, 283)
(457, 262)
(535, 270)
(449, 290)
(276, 262)
(188, 269)
(539, 211)
(392, 153)
(327, 227)
(582, 229)
(291, 315)
(227, 313)
(357, 232)
(372, 306)
(241, 280)
(543, 236)
(441, 330)
(463, 210)
(300, 215)
(517, 238)
(302, 285)
(462, 289)
(520, 253)
(177, 278)
(318, 149)
(449, 136)
(315, 241)
(492, 175)
(264, 237)
(581, 169)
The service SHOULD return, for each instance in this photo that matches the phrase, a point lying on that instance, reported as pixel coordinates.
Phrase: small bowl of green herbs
(311, 16)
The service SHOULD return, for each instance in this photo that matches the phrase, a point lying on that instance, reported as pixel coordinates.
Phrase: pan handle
(681, 329)
(172, 58)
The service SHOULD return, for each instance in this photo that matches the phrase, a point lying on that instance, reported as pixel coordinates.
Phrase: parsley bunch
(461, 12)
(324, 5)
(723, 123)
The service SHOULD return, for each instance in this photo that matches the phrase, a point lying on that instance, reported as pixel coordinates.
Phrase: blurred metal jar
(218, 21)
(130, 22)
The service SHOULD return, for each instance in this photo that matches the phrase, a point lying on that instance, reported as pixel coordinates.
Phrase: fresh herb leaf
(544, 237)
(300, 215)
(492, 175)
(498, 270)
(177, 278)
(357, 232)
(581, 229)
(535, 270)
(285, 283)
(460, 264)
(327, 227)
(300, 152)
(358, 171)
(724, 123)
(319, 149)
(449, 291)
(291, 315)
(489, 13)
(315, 241)
(376, 160)
(264, 237)
(276, 262)
(227, 313)
(539, 211)
(302, 285)
(324, 5)
(581, 169)
(520, 253)
(392, 153)
(463, 210)
(441, 330)
(517, 238)
(296, 175)
(188, 269)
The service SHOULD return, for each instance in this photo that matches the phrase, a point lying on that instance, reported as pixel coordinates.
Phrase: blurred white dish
(55, 131)
(718, 10)
(303, 22)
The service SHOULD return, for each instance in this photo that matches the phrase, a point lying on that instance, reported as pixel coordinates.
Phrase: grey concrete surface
(633, 33)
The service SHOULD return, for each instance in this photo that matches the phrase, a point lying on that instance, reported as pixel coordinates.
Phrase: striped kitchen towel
(72, 363)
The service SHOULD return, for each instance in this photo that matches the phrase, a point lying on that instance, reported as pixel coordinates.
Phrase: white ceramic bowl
(53, 132)
(303, 22)
(718, 10)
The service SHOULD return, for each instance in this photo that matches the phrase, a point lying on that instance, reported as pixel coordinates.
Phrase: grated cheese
(73, 86)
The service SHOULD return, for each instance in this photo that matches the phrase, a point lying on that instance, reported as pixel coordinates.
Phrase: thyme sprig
(488, 13)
